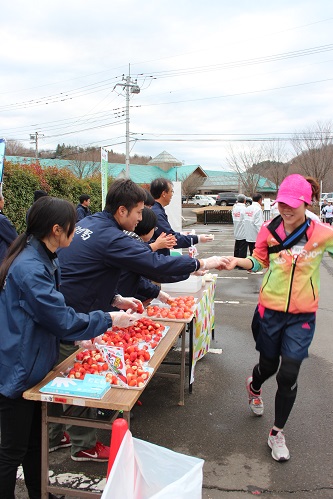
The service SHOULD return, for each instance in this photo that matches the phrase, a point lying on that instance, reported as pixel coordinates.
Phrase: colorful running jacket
(291, 283)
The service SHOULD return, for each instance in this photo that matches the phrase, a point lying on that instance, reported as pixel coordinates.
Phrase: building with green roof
(163, 165)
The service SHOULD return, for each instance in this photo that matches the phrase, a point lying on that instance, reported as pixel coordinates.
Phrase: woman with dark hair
(34, 317)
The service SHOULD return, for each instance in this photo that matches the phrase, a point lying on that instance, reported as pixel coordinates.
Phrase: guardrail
(217, 217)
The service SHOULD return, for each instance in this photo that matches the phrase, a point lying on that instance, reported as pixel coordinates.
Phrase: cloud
(232, 68)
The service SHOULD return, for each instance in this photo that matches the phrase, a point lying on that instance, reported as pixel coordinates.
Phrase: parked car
(186, 199)
(201, 200)
(229, 198)
(325, 195)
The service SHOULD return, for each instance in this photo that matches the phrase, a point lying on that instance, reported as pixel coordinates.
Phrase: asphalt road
(215, 424)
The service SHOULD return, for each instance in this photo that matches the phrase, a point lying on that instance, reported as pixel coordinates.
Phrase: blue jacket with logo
(183, 241)
(100, 251)
(34, 317)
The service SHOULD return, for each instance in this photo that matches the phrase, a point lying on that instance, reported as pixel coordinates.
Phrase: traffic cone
(119, 428)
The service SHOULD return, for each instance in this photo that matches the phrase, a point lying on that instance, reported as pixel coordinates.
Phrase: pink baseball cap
(294, 190)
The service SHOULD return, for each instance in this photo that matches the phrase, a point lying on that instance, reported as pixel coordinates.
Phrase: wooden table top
(120, 399)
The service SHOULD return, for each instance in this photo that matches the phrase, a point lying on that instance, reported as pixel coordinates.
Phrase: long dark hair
(43, 215)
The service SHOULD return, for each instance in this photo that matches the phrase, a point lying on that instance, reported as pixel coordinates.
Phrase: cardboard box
(92, 386)
(191, 285)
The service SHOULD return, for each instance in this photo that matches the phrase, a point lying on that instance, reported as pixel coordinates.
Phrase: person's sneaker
(277, 443)
(64, 442)
(255, 401)
(100, 453)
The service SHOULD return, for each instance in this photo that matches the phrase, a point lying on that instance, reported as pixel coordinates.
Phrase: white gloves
(129, 303)
(214, 262)
(86, 344)
(122, 319)
(163, 297)
(205, 238)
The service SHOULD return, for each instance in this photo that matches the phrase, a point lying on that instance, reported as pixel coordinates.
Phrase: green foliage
(20, 182)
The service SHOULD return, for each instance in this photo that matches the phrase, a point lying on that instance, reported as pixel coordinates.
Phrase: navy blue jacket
(34, 317)
(100, 251)
(7, 235)
(164, 226)
(82, 212)
(132, 284)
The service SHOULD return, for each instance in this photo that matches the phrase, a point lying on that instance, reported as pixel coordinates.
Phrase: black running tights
(287, 374)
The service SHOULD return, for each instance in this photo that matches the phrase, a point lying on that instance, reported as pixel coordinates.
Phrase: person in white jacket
(238, 212)
(253, 220)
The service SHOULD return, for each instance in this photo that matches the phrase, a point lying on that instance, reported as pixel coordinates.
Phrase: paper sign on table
(114, 356)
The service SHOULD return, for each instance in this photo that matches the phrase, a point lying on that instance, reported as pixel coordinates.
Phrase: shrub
(20, 182)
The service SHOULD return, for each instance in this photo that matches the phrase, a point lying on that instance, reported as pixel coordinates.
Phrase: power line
(237, 94)
(102, 85)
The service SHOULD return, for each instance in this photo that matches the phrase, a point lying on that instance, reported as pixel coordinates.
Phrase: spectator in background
(322, 210)
(328, 212)
(7, 231)
(253, 220)
(238, 212)
(82, 209)
(37, 194)
(162, 191)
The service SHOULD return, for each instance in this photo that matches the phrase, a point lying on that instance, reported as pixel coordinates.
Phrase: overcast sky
(209, 72)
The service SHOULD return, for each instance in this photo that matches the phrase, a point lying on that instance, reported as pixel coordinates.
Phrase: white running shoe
(255, 401)
(277, 443)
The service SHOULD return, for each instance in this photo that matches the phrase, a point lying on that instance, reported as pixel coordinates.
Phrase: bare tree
(15, 148)
(314, 149)
(275, 151)
(85, 163)
(242, 163)
(191, 184)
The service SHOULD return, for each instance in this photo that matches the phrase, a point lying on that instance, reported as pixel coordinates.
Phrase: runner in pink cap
(295, 190)
(291, 248)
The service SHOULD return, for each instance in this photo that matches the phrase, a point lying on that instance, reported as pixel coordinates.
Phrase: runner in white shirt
(328, 212)
(253, 220)
(238, 212)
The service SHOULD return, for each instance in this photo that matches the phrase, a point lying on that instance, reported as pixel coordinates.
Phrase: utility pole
(130, 87)
(34, 140)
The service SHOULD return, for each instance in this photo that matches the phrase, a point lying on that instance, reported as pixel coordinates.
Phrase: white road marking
(231, 277)
(227, 301)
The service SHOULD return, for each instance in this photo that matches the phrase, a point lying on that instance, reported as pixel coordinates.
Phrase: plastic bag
(143, 470)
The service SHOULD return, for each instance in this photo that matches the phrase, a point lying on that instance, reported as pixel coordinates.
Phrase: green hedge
(20, 182)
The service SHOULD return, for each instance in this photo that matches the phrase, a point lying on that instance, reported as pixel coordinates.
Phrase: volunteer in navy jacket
(162, 191)
(100, 251)
(7, 231)
(82, 209)
(34, 317)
